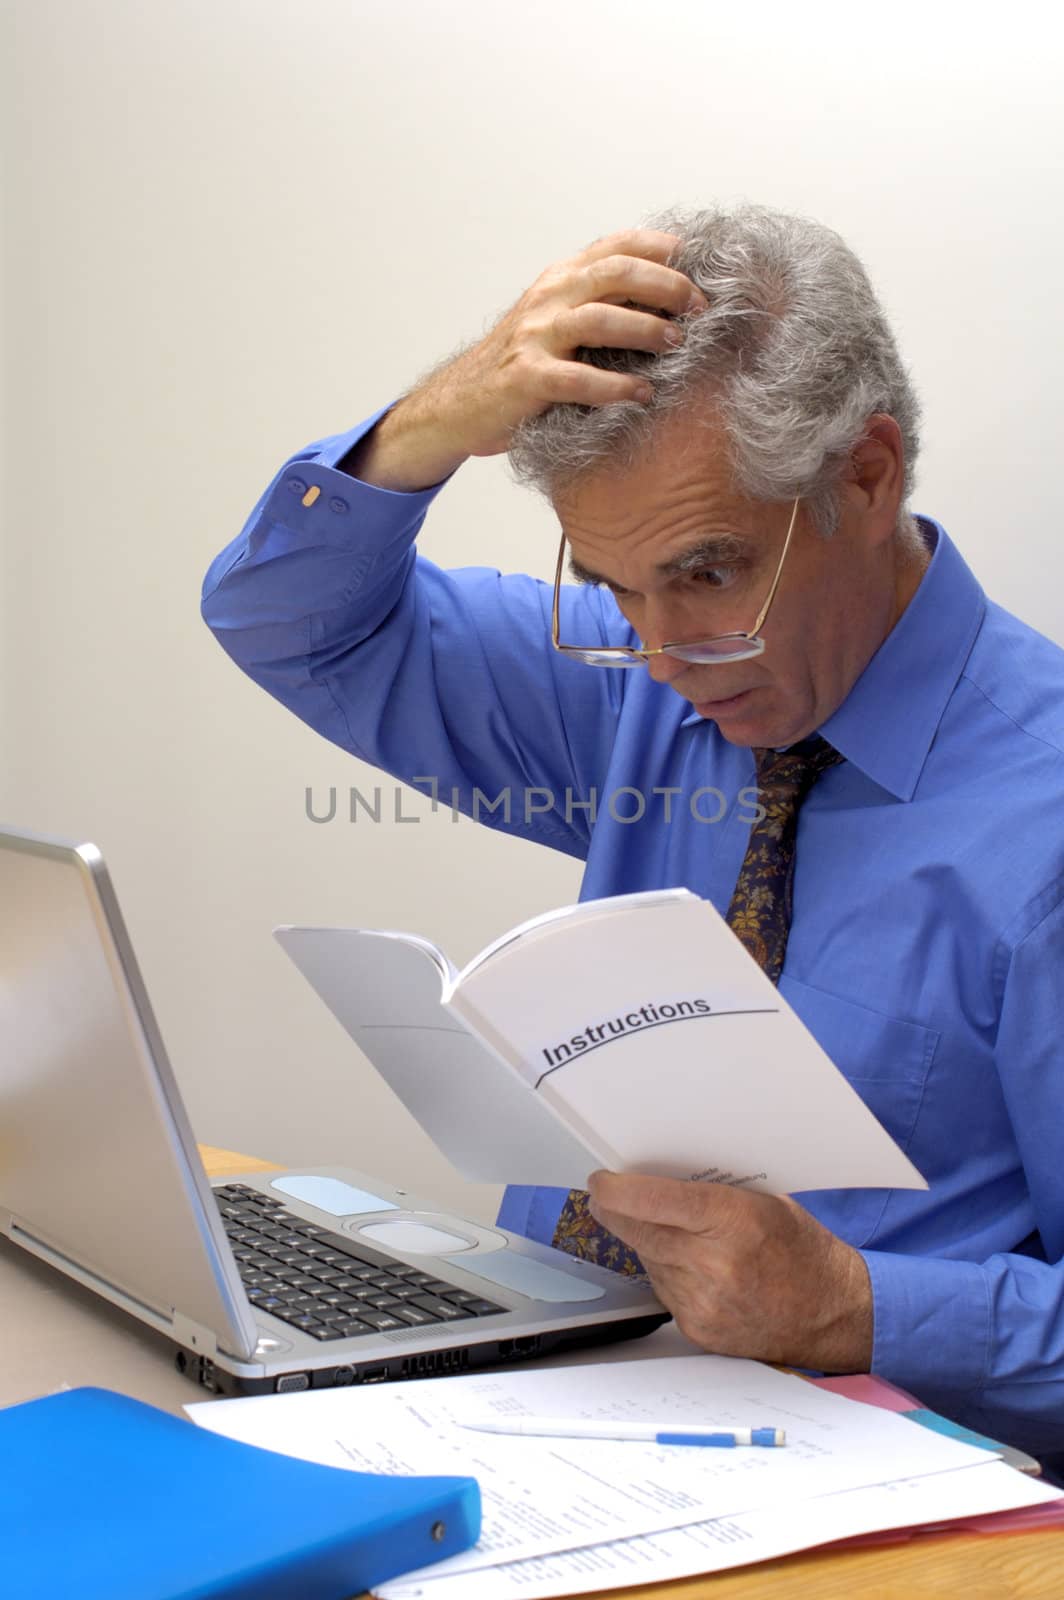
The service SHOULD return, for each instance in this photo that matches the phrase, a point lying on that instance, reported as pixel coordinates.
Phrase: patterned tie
(759, 915)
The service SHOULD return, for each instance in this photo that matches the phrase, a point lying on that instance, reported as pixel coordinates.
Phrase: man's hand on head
(471, 405)
(744, 1274)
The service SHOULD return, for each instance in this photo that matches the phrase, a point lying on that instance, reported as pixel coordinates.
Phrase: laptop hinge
(193, 1335)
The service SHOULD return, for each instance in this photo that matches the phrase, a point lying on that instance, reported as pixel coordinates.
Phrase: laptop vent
(405, 1335)
(434, 1363)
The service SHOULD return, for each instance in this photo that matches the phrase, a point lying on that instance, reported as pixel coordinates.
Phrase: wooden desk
(57, 1333)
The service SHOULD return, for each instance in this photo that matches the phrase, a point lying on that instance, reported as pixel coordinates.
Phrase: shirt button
(297, 486)
(338, 505)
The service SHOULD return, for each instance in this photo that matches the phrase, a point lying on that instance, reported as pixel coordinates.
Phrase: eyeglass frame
(629, 655)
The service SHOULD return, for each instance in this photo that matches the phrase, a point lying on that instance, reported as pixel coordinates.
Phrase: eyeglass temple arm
(555, 608)
(763, 613)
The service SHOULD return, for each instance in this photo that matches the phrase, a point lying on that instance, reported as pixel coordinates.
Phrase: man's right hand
(471, 405)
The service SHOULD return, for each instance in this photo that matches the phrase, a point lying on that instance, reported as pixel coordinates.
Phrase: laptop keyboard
(327, 1285)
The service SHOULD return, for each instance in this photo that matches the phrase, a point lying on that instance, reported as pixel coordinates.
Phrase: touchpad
(415, 1237)
(509, 1270)
(329, 1194)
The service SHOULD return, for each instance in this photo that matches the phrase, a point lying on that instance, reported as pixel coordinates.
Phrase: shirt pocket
(887, 1060)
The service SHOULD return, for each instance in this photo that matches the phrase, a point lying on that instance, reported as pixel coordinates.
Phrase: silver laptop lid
(99, 1171)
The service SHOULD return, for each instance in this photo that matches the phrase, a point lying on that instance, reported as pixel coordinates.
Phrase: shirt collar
(888, 721)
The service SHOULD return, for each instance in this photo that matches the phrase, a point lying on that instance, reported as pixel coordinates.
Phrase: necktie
(759, 915)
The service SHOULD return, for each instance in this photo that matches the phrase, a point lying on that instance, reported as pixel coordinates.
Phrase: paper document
(541, 1496)
(726, 1542)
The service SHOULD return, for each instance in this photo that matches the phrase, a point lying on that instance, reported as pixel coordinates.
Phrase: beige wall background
(234, 226)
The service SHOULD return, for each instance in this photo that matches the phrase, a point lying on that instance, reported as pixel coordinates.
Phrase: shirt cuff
(932, 1322)
(531, 1211)
(313, 497)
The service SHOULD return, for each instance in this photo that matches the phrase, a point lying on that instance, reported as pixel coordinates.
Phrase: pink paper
(871, 1391)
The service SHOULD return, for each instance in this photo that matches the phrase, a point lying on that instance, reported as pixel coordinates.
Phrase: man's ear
(871, 483)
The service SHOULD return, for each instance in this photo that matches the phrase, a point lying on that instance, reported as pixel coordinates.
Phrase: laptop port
(527, 1344)
(374, 1374)
(292, 1382)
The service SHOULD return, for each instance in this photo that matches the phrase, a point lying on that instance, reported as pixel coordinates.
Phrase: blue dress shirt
(926, 952)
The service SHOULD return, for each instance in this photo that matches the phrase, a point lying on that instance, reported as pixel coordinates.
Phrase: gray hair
(794, 351)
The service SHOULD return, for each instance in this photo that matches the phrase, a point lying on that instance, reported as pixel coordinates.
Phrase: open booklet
(634, 1033)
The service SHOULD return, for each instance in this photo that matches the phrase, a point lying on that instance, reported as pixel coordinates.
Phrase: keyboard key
(483, 1308)
(413, 1317)
(351, 1329)
(381, 1320)
(325, 1331)
(442, 1310)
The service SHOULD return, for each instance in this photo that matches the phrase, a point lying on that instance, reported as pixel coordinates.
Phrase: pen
(649, 1432)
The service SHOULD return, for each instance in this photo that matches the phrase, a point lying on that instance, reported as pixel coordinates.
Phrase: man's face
(688, 556)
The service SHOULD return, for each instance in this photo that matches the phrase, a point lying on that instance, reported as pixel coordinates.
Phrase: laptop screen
(98, 1166)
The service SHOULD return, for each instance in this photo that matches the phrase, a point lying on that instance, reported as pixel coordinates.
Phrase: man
(718, 413)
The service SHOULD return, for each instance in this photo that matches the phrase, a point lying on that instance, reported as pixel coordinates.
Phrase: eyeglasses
(703, 652)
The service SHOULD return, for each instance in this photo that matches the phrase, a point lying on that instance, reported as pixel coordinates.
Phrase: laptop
(265, 1282)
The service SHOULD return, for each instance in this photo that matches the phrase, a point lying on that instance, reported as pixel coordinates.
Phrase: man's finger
(649, 243)
(617, 278)
(672, 1202)
(651, 1241)
(598, 326)
(576, 384)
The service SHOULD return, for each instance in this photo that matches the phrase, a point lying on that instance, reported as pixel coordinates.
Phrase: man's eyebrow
(712, 552)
